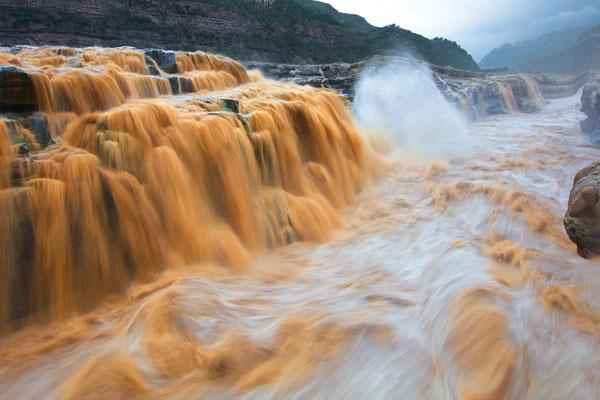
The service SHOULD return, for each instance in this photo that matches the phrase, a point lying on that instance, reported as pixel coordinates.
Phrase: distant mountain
(566, 51)
(293, 31)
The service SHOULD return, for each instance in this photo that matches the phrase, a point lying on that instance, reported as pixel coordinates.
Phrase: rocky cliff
(296, 31)
(590, 105)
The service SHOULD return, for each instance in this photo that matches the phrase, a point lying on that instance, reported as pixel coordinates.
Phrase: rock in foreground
(582, 219)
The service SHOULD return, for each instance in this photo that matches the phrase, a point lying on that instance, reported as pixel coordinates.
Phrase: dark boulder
(38, 136)
(231, 105)
(16, 89)
(181, 85)
(38, 125)
(165, 60)
(582, 219)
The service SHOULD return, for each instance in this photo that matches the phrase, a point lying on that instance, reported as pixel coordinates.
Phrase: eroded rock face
(554, 86)
(16, 88)
(582, 219)
(341, 77)
(590, 105)
(479, 96)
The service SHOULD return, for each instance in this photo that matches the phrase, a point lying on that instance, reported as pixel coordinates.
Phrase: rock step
(16, 89)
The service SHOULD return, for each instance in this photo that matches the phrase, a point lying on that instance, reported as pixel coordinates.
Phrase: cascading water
(507, 98)
(452, 276)
(533, 92)
(139, 185)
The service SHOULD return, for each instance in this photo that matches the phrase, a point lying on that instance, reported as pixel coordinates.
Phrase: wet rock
(153, 68)
(285, 71)
(74, 61)
(231, 105)
(22, 47)
(23, 149)
(38, 136)
(37, 124)
(590, 105)
(492, 99)
(181, 85)
(582, 219)
(64, 51)
(340, 77)
(16, 89)
(165, 60)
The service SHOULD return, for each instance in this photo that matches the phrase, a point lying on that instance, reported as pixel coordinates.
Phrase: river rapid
(449, 279)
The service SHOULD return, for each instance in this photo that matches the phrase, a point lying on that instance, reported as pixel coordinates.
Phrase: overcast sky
(477, 25)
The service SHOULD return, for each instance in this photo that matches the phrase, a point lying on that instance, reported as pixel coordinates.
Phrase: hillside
(584, 55)
(299, 31)
(567, 51)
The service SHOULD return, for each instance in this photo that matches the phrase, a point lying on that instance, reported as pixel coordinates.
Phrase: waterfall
(508, 98)
(142, 180)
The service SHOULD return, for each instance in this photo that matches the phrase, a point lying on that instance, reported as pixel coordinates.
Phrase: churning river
(450, 278)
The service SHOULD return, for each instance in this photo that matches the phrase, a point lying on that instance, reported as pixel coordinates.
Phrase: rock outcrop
(554, 86)
(477, 93)
(492, 94)
(590, 105)
(165, 60)
(582, 219)
(341, 77)
(16, 88)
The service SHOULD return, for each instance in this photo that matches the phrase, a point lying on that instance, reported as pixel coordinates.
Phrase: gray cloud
(478, 25)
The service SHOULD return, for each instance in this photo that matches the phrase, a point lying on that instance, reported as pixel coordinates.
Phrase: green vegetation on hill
(292, 31)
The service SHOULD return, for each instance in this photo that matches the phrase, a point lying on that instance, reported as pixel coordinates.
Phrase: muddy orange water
(157, 267)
